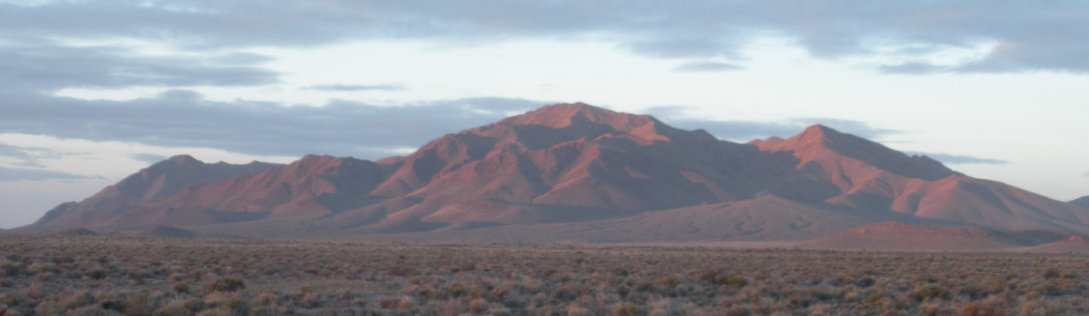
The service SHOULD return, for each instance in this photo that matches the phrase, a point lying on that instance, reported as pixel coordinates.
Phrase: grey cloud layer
(1028, 35)
(706, 66)
(182, 118)
(30, 174)
(961, 159)
(45, 66)
(24, 166)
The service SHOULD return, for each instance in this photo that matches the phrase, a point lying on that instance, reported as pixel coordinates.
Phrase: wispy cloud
(183, 118)
(912, 68)
(34, 174)
(739, 130)
(149, 158)
(349, 87)
(19, 156)
(960, 159)
(706, 66)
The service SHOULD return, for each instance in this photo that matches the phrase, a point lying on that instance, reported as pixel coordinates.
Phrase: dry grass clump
(133, 276)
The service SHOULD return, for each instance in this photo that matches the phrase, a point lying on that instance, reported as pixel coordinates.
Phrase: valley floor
(140, 276)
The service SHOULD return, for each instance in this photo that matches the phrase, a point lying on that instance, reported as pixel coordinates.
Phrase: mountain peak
(815, 135)
(818, 142)
(316, 162)
(564, 115)
(821, 133)
(184, 160)
(819, 130)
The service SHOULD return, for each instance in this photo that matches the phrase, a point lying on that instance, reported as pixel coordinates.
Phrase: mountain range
(575, 172)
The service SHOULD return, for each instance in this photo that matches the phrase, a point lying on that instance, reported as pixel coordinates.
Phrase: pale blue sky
(93, 91)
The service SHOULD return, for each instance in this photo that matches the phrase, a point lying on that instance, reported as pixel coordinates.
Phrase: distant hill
(165, 232)
(572, 172)
(907, 237)
(76, 231)
(1072, 244)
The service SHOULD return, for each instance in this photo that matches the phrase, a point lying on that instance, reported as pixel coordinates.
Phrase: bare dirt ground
(81, 275)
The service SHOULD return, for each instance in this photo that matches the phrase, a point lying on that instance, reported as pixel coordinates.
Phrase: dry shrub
(1051, 273)
(729, 280)
(346, 295)
(976, 309)
(139, 304)
(389, 302)
(738, 311)
(226, 284)
(78, 299)
(181, 287)
(929, 291)
(238, 305)
(402, 270)
(478, 306)
(627, 309)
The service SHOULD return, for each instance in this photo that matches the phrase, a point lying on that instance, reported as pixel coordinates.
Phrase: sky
(92, 91)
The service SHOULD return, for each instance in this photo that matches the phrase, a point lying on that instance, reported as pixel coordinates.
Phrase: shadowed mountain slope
(1082, 201)
(149, 185)
(572, 172)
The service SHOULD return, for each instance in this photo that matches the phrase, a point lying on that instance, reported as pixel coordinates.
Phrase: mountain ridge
(572, 172)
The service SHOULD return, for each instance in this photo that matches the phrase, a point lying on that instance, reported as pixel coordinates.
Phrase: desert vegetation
(77, 275)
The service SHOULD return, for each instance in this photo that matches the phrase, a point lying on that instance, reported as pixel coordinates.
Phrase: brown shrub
(627, 309)
(929, 291)
(478, 306)
(226, 284)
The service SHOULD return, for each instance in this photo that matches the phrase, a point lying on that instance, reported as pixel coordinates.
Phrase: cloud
(12, 151)
(345, 87)
(960, 159)
(45, 66)
(1086, 174)
(20, 156)
(31, 174)
(1027, 36)
(182, 118)
(706, 66)
(749, 130)
(912, 68)
(848, 126)
(149, 158)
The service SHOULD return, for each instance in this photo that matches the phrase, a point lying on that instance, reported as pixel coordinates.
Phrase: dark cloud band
(47, 66)
(1024, 36)
(183, 118)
